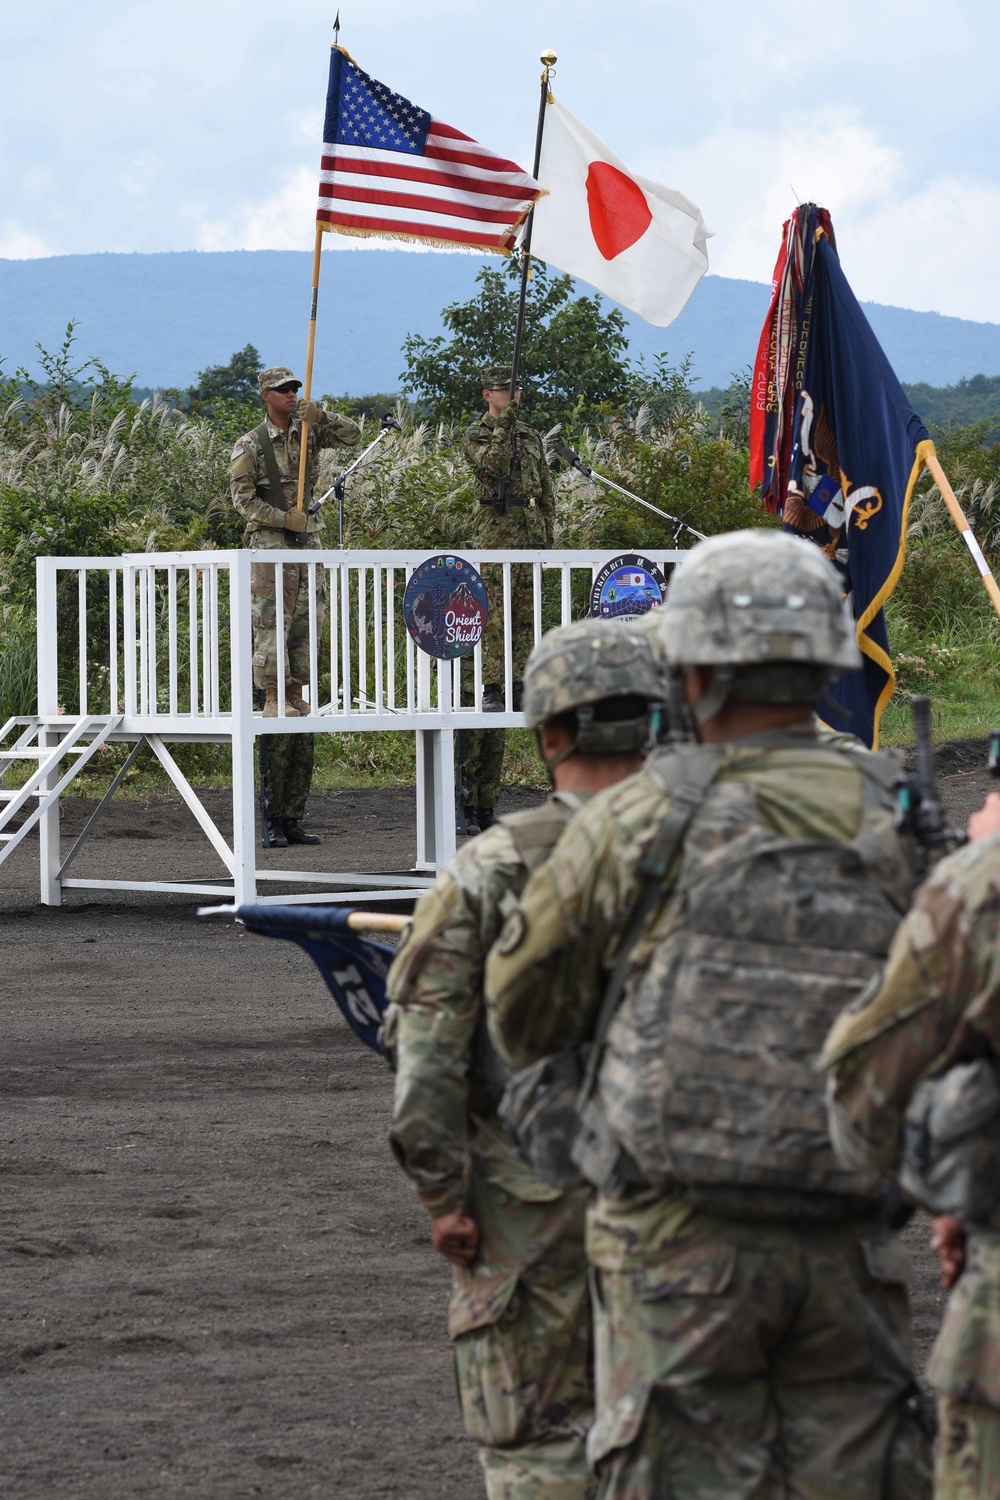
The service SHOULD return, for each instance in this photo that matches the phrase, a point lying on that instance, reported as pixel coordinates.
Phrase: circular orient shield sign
(627, 587)
(446, 606)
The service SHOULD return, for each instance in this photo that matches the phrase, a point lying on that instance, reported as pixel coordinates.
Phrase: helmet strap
(714, 700)
(551, 761)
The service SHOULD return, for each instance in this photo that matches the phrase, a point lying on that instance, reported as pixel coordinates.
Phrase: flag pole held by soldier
(262, 473)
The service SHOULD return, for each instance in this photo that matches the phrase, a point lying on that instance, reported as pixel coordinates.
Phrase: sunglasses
(286, 390)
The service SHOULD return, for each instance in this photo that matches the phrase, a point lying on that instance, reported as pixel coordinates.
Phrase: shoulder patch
(237, 450)
(512, 934)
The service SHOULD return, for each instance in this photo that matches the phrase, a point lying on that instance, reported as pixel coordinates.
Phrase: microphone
(577, 462)
(385, 416)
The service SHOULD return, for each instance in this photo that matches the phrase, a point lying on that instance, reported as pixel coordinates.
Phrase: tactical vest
(534, 834)
(708, 1078)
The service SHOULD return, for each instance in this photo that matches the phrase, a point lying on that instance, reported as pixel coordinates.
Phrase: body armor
(709, 1078)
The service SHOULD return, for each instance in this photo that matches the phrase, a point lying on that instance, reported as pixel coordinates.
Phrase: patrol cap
(497, 379)
(269, 380)
(753, 598)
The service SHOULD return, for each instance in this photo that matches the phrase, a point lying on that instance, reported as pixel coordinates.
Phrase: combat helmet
(602, 672)
(763, 608)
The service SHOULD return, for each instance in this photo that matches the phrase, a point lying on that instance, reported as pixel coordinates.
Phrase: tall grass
(93, 473)
(18, 662)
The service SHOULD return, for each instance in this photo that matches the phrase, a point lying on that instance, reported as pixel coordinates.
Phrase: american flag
(389, 169)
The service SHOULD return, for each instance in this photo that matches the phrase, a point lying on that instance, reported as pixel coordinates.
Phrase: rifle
(265, 792)
(918, 807)
(461, 785)
(501, 500)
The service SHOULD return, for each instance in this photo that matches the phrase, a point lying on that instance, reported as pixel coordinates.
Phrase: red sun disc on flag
(619, 213)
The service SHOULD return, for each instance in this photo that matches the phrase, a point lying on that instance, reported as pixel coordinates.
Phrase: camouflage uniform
(484, 751)
(938, 1003)
(290, 760)
(265, 529)
(290, 757)
(708, 1328)
(529, 523)
(750, 1341)
(520, 1317)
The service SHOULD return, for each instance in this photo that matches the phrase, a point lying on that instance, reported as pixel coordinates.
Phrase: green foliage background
(88, 469)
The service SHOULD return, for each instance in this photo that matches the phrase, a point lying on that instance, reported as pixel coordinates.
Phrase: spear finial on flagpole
(336, 30)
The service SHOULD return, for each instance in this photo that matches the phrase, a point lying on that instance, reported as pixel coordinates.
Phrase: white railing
(165, 638)
(157, 647)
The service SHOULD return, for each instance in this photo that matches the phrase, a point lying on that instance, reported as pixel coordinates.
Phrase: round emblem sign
(627, 587)
(446, 607)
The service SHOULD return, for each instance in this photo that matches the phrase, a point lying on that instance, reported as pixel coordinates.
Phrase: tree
(573, 361)
(235, 382)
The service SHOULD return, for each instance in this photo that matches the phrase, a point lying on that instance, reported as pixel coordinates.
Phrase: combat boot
(485, 817)
(272, 835)
(296, 834)
(271, 705)
(493, 699)
(471, 822)
(295, 702)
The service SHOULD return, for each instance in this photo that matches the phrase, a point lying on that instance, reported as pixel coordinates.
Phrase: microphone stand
(589, 473)
(389, 424)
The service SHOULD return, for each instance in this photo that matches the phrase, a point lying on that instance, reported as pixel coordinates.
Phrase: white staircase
(79, 740)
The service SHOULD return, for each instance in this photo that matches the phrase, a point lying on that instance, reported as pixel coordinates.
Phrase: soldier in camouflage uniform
(938, 1007)
(500, 446)
(273, 521)
(752, 1328)
(519, 1315)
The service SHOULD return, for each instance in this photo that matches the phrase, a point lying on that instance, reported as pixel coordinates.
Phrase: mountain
(167, 316)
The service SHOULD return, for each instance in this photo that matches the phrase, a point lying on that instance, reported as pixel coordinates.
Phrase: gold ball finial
(548, 58)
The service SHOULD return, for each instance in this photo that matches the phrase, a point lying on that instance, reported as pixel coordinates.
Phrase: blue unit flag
(842, 470)
(354, 968)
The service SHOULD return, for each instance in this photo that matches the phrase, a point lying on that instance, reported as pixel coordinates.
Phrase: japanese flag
(640, 244)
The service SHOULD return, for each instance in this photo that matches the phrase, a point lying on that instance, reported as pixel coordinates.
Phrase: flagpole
(311, 336)
(547, 60)
(307, 385)
(964, 529)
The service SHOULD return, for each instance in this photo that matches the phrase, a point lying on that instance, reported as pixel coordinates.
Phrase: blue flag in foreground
(842, 470)
(354, 968)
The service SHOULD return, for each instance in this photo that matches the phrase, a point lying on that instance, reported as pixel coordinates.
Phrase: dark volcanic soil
(215, 1281)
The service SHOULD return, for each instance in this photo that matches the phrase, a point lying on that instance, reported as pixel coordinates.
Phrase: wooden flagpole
(964, 529)
(307, 384)
(311, 338)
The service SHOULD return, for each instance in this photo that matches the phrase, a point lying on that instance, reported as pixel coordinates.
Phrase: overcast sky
(196, 124)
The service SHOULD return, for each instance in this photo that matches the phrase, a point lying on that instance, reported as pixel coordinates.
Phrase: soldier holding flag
(516, 508)
(262, 478)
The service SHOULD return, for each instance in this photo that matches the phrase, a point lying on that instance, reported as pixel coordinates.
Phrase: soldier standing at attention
(501, 447)
(263, 480)
(937, 1009)
(703, 924)
(520, 1314)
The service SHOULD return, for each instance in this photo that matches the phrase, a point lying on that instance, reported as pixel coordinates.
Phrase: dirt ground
(215, 1280)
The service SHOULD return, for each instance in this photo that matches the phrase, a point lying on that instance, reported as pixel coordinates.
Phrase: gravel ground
(216, 1282)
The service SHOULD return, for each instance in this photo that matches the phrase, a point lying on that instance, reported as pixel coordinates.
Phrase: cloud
(20, 244)
(924, 244)
(284, 221)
